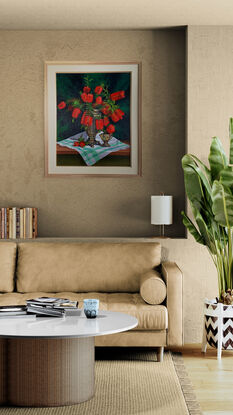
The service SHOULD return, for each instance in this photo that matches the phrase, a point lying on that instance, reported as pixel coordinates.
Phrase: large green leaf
(197, 186)
(204, 168)
(217, 158)
(222, 204)
(192, 229)
(206, 233)
(226, 177)
(231, 140)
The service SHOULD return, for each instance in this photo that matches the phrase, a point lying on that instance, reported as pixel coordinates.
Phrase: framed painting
(92, 118)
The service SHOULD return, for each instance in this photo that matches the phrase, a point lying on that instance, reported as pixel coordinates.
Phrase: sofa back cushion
(7, 268)
(83, 267)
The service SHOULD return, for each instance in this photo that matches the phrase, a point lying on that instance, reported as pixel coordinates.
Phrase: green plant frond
(217, 158)
(203, 167)
(197, 186)
(192, 229)
(210, 193)
(226, 178)
(231, 140)
(206, 232)
(222, 204)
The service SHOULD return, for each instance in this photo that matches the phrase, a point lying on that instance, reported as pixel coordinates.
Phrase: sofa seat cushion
(150, 317)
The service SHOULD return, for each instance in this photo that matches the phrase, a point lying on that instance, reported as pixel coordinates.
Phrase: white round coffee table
(51, 360)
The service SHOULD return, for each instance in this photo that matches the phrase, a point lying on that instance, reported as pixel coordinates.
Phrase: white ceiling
(112, 14)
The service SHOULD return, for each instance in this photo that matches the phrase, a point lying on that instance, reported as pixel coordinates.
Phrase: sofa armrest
(174, 280)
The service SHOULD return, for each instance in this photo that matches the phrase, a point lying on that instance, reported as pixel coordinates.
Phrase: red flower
(117, 95)
(76, 113)
(89, 98)
(83, 118)
(99, 124)
(86, 89)
(86, 119)
(114, 117)
(119, 113)
(110, 129)
(105, 109)
(106, 121)
(84, 97)
(76, 144)
(98, 100)
(98, 89)
(62, 105)
(82, 144)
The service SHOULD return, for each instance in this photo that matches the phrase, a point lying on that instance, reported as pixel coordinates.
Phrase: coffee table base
(50, 372)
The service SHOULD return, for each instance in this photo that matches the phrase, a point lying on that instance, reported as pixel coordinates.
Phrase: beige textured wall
(91, 206)
(210, 104)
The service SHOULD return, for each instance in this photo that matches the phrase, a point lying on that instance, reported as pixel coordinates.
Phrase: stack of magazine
(14, 311)
(53, 307)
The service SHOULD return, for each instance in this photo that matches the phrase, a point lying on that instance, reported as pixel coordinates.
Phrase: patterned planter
(218, 326)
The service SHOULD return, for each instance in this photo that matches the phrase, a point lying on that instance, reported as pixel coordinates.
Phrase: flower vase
(91, 129)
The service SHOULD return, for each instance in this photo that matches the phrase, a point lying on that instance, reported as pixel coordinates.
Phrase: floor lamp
(161, 211)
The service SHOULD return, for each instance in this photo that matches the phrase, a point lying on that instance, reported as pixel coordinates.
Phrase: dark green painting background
(70, 85)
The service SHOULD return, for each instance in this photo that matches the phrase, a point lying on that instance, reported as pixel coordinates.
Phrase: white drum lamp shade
(161, 210)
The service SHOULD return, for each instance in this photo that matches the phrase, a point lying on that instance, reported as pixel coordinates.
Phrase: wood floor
(211, 379)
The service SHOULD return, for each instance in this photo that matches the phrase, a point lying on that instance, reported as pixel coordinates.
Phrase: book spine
(27, 222)
(10, 224)
(36, 222)
(14, 222)
(0, 223)
(17, 223)
(2, 227)
(33, 223)
(24, 223)
(7, 223)
(21, 223)
(30, 223)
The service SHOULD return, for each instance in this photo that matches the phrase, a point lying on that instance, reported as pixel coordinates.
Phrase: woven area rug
(131, 382)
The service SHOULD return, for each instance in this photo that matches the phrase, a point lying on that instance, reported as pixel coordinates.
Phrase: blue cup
(91, 307)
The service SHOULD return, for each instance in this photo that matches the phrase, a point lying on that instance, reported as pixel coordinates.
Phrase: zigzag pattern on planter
(211, 327)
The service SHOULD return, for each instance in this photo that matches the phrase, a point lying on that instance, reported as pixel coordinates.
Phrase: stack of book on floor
(18, 223)
(14, 311)
(53, 307)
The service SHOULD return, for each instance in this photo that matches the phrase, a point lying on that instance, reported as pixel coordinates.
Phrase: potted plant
(210, 194)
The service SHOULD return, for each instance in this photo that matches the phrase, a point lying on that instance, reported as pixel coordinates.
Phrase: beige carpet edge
(186, 385)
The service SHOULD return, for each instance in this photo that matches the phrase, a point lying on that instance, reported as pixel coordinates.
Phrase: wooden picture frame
(92, 119)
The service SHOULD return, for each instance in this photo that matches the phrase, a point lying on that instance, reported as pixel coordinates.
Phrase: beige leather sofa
(124, 276)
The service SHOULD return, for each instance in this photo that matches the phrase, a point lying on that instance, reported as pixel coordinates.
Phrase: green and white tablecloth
(93, 154)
